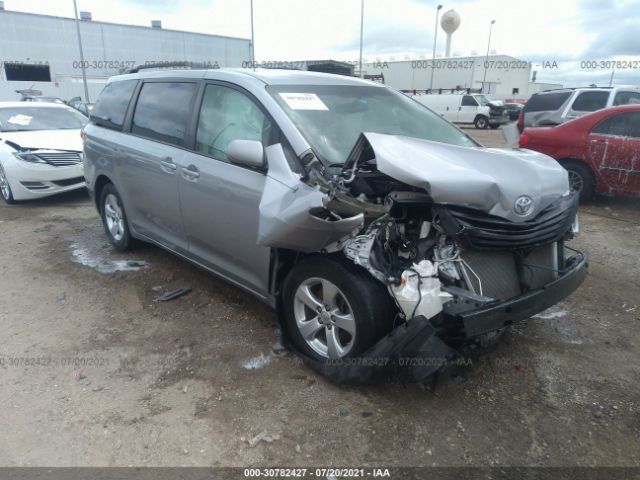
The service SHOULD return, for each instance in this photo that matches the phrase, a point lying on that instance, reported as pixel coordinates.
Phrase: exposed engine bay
(446, 244)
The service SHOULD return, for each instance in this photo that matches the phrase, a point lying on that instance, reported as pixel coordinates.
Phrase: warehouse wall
(504, 73)
(41, 39)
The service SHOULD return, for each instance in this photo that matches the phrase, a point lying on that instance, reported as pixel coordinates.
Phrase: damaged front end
(462, 246)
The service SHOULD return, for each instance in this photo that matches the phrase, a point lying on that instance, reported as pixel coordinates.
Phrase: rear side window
(627, 98)
(469, 101)
(624, 125)
(546, 102)
(590, 101)
(111, 106)
(163, 111)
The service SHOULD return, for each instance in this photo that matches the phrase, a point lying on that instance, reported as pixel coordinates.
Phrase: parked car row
(373, 225)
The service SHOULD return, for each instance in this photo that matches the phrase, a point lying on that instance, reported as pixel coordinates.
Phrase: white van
(466, 108)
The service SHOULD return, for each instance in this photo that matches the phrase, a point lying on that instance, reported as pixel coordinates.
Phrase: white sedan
(40, 150)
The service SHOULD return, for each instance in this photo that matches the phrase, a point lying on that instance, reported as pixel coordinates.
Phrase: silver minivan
(379, 231)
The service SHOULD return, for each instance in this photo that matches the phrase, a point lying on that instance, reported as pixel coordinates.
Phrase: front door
(220, 200)
(467, 110)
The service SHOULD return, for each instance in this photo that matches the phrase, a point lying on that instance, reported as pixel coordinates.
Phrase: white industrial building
(40, 52)
(503, 77)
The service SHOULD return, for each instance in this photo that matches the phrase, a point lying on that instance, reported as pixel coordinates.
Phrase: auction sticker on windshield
(303, 101)
(20, 119)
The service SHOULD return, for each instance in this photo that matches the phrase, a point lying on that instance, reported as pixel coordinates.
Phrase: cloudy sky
(541, 31)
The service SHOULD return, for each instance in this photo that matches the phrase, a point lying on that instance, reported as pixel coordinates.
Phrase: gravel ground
(96, 373)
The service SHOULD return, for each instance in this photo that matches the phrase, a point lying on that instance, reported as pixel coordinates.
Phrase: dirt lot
(94, 372)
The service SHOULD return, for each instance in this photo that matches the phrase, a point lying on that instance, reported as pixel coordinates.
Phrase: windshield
(331, 117)
(20, 119)
(482, 100)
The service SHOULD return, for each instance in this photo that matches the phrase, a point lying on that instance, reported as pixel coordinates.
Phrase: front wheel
(481, 122)
(114, 219)
(333, 309)
(5, 188)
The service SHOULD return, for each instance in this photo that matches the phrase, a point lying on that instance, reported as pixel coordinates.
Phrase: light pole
(253, 51)
(84, 71)
(361, 35)
(435, 38)
(486, 60)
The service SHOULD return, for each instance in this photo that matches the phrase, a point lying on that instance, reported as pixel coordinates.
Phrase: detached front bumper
(498, 315)
(420, 348)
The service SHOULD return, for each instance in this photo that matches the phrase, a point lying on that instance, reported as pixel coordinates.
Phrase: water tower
(450, 22)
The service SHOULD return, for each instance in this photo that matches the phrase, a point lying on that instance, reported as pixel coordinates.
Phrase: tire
(581, 179)
(114, 219)
(5, 188)
(350, 293)
(495, 126)
(481, 122)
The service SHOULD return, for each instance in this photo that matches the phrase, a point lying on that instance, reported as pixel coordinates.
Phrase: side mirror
(246, 152)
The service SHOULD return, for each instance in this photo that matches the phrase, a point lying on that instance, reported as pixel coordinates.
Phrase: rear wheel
(481, 122)
(334, 310)
(581, 179)
(5, 188)
(114, 219)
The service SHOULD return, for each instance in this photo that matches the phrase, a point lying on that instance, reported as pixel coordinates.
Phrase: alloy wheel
(114, 217)
(4, 185)
(324, 318)
(576, 182)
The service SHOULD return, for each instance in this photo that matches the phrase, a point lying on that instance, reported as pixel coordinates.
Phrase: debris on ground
(172, 294)
(263, 436)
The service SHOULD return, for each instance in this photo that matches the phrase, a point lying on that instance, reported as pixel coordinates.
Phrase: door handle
(191, 172)
(168, 165)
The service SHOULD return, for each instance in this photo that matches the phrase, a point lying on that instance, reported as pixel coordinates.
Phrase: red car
(601, 150)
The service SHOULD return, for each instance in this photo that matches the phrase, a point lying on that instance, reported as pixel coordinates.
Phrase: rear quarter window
(627, 98)
(546, 102)
(111, 107)
(590, 101)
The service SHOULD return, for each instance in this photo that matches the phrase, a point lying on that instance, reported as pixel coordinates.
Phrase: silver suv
(378, 230)
(553, 107)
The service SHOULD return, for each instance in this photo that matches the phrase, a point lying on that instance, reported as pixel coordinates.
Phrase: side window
(469, 101)
(163, 111)
(111, 106)
(623, 125)
(590, 101)
(227, 115)
(627, 98)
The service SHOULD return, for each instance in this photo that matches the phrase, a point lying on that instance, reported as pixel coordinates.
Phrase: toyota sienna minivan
(379, 231)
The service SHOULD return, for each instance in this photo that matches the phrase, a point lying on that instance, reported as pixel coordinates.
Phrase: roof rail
(161, 64)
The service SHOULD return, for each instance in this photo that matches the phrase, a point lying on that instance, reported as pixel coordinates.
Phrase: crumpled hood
(486, 179)
(46, 139)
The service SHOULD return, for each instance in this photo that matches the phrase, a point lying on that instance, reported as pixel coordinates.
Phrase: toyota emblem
(523, 205)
